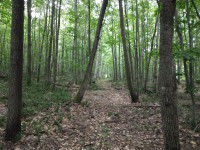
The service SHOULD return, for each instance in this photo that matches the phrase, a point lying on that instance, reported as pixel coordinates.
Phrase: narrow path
(107, 121)
(107, 95)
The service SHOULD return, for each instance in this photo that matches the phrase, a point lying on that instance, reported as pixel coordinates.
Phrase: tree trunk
(62, 57)
(97, 59)
(84, 84)
(29, 43)
(148, 60)
(136, 51)
(48, 73)
(119, 65)
(156, 59)
(56, 51)
(13, 126)
(166, 81)
(41, 47)
(196, 10)
(182, 49)
(134, 97)
(129, 43)
(191, 70)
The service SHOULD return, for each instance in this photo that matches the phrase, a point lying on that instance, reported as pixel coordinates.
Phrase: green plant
(104, 131)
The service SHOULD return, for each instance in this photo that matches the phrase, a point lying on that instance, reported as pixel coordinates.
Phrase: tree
(134, 97)
(48, 69)
(167, 91)
(57, 38)
(13, 126)
(84, 84)
(29, 43)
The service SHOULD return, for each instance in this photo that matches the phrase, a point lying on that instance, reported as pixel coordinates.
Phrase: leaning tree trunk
(13, 126)
(166, 81)
(84, 84)
(29, 43)
(134, 97)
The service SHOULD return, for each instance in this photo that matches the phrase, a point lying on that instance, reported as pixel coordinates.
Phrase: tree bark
(134, 97)
(191, 70)
(13, 126)
(136, 52)
(29, 43)
(84, 84)
(166, 81)
(129, 43)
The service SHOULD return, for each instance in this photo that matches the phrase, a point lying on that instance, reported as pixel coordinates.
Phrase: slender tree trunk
(89, 43)
(196, 10)
(115, 56)
(119, 59)
(75, 46)
(48, 74)
(42, 43)
(62, 57)
(29, 43)
(129, 43)
(134, 97)
(166, 86)
(191, 70)
(148, 60)
(84, 84)
(56, 52)
(182, 49)
(156, 59)
(97, 58)
(136, 52)
(13, 126)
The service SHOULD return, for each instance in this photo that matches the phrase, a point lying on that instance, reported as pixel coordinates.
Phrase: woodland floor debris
(105, 120)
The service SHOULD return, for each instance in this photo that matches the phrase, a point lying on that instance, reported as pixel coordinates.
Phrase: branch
(195, 9)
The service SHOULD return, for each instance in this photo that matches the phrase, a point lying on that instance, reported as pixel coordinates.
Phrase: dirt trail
(109, 122)
(107, 95)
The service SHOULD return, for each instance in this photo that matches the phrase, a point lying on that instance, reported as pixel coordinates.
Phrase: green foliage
(189, 54)
(38, 97)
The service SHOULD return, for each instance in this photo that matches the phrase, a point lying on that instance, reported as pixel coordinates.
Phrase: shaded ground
(105, 120)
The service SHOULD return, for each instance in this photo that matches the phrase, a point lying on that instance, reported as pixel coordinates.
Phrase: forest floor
(105, 120)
